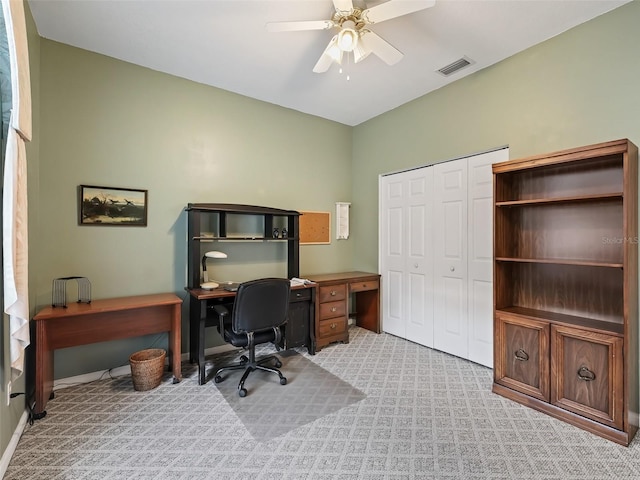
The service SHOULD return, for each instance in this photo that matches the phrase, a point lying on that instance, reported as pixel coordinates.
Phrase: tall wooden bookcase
(566, 286)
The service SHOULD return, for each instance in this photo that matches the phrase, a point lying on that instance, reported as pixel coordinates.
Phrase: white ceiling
(224, 43)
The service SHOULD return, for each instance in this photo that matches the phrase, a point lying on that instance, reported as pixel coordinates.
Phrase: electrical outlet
(8, 390)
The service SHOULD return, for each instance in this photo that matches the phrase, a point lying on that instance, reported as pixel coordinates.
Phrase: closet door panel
(480, 254)
(419, 260)
(406, 254)
(450, 257)
(392, 252)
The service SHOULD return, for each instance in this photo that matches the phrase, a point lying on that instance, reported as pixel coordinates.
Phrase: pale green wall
(578, 88)
(111, 123)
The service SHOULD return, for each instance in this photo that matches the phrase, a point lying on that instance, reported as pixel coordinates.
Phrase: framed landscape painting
(112, 206)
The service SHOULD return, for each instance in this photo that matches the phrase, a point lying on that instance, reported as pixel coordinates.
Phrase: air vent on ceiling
(455, 66)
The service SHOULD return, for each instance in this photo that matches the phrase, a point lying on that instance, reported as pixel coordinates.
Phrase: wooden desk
(100, 321)
(298, 330)
(333, 307)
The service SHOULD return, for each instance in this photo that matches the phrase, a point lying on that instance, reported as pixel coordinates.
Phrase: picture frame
(112, 206)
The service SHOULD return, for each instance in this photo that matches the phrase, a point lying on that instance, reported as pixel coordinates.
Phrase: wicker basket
(147, 367)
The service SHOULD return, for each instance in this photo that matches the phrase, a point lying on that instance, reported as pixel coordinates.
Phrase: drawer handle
(521, 355)
(333, 293)
(333, 325)
(585, 374)
(333, 309)
(298, 295)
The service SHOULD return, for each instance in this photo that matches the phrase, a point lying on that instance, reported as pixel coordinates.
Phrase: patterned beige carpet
(270, 409)
(424, 415)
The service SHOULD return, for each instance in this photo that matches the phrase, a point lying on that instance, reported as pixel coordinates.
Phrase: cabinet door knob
(415, 265)
(333, 309)
(333, 293)
(333, 325)
(585, 374)
(453, 269)
(521, 355)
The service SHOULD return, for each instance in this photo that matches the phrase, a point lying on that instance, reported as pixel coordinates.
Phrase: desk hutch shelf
(209, 222)
(566, 286)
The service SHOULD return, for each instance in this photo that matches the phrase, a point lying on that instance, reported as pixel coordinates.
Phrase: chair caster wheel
(278, 364)
(242, 392)
(217, 379)
(243, 360)
(283, 381)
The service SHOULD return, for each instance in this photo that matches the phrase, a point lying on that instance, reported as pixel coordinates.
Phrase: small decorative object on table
(276, 233)
(285, 234)
(59, 295)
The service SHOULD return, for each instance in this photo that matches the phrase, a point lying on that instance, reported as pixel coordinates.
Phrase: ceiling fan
(353, 32)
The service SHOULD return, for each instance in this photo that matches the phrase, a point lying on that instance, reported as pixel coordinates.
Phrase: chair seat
(242, 340)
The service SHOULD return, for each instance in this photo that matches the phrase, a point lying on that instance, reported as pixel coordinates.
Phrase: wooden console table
(100, 321)
(333, 306)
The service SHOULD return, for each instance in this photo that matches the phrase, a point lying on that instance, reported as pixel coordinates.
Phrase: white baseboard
(124, 370)
(13, 443)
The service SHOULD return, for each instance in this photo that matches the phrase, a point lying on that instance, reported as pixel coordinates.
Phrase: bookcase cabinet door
(522, 355)
(588, 374)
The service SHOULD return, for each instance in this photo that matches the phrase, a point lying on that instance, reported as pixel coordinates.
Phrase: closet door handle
(453, 269)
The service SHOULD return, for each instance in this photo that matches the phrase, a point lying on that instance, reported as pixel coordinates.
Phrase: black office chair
(259, 310)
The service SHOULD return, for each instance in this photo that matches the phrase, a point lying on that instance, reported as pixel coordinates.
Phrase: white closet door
(480, 255)
(450, 258)
(392, 193)
(419, 259)
(406, 255)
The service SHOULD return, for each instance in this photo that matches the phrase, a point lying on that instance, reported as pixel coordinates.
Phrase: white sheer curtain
(14, 191)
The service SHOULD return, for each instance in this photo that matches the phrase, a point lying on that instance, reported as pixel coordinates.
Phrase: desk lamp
(206, 284)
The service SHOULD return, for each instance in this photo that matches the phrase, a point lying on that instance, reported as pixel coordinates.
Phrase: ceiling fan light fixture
(333, 50)
(348, 37)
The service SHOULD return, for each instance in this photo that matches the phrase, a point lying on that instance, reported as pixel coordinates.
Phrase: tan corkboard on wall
(315, 228)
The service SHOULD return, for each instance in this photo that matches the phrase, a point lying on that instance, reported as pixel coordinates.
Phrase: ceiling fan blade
(331, 53)
(393, 9)
(380, 47)
(297, 26)
(343, 5)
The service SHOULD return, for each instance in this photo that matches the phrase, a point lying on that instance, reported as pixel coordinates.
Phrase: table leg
(44, 371)
(201, 366)
(174, 344)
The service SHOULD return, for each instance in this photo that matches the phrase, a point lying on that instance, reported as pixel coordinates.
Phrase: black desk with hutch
(207, 222)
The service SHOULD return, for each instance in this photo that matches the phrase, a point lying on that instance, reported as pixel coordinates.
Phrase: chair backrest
(261, 304)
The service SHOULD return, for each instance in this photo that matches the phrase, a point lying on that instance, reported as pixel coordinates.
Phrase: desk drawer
(332, 326)
(333, 309)
(364, 286)
(330, 293)
(300, 295)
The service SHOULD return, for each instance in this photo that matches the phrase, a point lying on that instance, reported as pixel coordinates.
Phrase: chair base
(249, 365)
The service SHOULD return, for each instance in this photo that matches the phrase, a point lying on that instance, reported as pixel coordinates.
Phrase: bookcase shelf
(566, 286)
